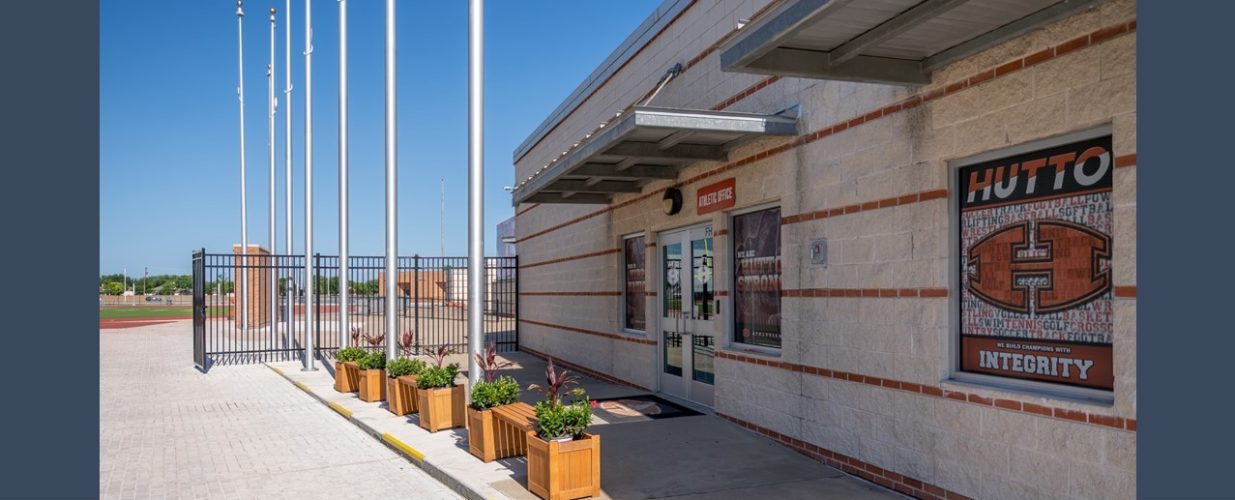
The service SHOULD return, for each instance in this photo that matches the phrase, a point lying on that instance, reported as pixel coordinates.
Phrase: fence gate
(199, 312)
(252, 309)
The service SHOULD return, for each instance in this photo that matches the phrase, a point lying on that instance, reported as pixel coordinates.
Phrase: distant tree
(113, 288)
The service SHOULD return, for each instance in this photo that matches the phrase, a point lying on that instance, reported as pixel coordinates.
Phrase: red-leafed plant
(488, 362)
(375, 340)
(439, 355)
(355, 335)
(406, 342)
(555, 382)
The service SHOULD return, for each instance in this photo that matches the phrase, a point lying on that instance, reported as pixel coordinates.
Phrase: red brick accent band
(933, 194)
(573, 257)
(935, 391)
(1125, 291)
(626, 338)
(850, 465)
(1127, 160)
(586, 371)
(720, 232)
(883, 293)
(525, 210)
(572, 294)
(938, 92)
(745, 93)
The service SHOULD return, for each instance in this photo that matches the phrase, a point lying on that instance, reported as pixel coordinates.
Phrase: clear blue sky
(169, 141)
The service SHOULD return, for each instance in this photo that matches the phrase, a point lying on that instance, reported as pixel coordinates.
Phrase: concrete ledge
(438, 454)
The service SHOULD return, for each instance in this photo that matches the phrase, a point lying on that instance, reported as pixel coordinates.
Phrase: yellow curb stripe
(413, 452)
(276, 370)
(301, 386)
(339, 408)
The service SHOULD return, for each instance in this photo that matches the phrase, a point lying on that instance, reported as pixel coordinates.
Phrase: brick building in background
(898, 236)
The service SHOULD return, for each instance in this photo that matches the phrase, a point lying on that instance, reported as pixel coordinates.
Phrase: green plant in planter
(372, 361)
(501, 391)
(558, 420)
(404, 366)
(437, 377)
(350, 354)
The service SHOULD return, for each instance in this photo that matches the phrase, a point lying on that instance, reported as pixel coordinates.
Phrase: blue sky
(169, 140)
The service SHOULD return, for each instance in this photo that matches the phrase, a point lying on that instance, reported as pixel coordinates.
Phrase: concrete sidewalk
(700, 456)
(168, 431)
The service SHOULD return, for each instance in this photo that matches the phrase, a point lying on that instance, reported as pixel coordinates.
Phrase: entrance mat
(639, 409)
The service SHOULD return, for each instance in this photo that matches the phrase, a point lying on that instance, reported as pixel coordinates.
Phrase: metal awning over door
(645, 144)
(882, 41)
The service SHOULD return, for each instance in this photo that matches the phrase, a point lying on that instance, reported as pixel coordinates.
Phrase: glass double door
(689, 314)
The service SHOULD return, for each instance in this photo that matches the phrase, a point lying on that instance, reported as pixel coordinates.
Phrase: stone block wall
(863, 378)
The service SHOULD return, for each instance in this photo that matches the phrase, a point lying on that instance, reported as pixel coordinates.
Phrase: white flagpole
(475, 181)
(289, 330)
(392, 244)
(242, 290)
(310, 277)
(343, 233)
(270, 145)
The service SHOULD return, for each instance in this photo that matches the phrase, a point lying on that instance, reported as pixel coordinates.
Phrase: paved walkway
(169, 431)
(696, 457)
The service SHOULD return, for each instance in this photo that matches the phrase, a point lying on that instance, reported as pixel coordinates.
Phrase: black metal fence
(269, 321)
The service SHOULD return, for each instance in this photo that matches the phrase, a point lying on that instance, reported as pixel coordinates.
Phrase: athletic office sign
(715, 197)
(1035, 266)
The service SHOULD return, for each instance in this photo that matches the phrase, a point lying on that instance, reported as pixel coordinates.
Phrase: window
(1033, 254)
(756, 278)
(633, 255)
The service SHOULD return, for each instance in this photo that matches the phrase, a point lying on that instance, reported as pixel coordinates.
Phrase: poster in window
(756, 278)
(1035, 265)
(635, 282)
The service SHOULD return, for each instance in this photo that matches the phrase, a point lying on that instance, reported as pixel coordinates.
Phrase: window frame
(625, 295)
(731, 341)
(955, 375)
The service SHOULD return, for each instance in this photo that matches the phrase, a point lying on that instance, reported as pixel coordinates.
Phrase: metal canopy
(645, 144)
(882, 41)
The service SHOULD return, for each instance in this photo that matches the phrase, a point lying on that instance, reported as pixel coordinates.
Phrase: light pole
(392, 244)
(310, 279)
(343, 233)
(475, 181)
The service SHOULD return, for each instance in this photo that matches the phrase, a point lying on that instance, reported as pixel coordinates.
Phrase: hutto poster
(1035, 265)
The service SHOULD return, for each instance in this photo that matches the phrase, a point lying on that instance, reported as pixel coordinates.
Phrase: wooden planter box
(442, 408)
(342, 381)
(372, 385)
(352, 371)
(499, 432)
(401, 398)
(561, 470)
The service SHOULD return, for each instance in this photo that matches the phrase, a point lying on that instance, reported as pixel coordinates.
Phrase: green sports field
(151, 312)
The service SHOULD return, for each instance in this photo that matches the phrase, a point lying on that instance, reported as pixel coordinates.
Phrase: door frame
(717, 321)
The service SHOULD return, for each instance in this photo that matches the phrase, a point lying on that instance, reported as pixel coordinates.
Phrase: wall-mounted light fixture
(671, 202)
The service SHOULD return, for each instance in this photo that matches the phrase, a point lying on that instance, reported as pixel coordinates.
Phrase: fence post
(416, 304)
(517, 282)
(317, 318)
